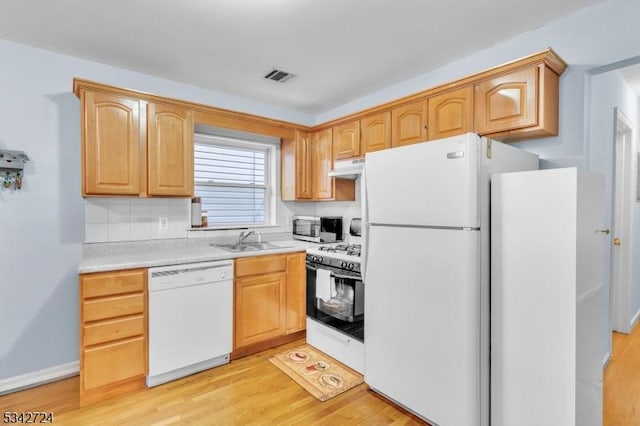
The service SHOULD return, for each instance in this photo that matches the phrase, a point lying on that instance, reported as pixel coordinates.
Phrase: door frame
(623, 179)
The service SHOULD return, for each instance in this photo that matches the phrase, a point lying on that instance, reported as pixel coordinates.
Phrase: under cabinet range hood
(347, 169)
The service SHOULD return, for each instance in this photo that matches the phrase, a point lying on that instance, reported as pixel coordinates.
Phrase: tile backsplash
(127, 219)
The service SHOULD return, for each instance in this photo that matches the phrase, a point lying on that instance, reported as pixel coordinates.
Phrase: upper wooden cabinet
(375, 131)
(306, 161)
(111, 145)
(451, 113)
(170, 150)
(409, 124)
(346, 140)
(122, 156)
(518, 105)
(322, 164)
(295, 167)
(304, 168)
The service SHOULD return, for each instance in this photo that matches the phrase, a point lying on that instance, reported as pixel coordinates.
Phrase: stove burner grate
(348, 249)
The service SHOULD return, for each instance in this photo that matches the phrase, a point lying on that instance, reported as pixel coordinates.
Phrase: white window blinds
(232, 180)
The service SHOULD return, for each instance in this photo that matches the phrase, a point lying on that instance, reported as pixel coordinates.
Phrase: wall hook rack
(12, 166)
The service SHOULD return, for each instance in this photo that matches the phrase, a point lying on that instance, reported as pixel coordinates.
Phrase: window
(232, 178)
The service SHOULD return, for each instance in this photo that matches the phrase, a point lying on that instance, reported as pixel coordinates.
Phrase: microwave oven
(317, 229)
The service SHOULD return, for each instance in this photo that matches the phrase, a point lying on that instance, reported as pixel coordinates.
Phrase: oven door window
(344, 310)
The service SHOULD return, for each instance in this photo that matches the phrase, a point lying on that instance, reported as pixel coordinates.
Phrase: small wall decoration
(11, 168)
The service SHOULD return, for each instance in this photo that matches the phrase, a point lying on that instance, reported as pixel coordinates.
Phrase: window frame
(270, 165)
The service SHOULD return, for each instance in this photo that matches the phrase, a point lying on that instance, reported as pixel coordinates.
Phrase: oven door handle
(346, 277)
(335, 273)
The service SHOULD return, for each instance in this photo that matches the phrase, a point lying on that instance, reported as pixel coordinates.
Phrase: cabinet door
(259, 308)
(409, 124)
(113, 362)
(111, 145)
(451, 113)
(170, 150)
(296, 306)
(322, 163)
(507, 102)
(303, 166)
(376, 132)
(346, 140)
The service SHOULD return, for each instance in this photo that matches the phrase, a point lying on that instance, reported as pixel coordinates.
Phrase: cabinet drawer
(110, 330)
(260, 265)
(110, 283)
(117, 306)
(113, 362)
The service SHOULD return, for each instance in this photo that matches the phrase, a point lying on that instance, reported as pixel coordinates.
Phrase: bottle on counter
(204, 222)
(196, 212)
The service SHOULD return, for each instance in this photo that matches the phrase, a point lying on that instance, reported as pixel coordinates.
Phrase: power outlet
(163, 223)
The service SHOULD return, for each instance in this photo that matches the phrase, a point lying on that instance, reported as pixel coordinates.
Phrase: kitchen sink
(251, 246)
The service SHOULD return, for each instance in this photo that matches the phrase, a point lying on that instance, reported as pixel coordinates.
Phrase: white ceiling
(339, 49)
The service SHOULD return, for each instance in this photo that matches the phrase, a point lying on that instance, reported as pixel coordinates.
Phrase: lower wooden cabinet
(259, 307)
(296, 305)
(113, 362)
(269, 301)
(113, 333)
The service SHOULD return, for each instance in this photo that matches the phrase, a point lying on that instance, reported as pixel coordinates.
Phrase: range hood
(347, 169)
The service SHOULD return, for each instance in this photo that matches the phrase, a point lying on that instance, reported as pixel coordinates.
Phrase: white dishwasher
(190, 319)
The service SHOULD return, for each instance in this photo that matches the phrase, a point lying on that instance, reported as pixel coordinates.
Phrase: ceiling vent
(278, 75)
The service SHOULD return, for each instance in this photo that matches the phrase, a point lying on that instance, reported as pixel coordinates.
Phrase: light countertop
(150, 257)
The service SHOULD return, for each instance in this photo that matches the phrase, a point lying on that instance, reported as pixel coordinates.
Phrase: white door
(433, 183)
(422, 324)
(620, 314)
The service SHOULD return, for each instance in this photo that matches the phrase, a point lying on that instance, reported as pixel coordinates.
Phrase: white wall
(42, 226)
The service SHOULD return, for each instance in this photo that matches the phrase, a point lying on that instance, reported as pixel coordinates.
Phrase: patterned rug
(321, 375)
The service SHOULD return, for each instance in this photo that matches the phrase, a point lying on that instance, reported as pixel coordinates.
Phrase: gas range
(341, 256)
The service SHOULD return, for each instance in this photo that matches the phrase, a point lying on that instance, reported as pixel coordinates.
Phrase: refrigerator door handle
(365, 228)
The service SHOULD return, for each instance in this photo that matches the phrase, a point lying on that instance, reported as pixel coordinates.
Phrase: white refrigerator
(426, 274)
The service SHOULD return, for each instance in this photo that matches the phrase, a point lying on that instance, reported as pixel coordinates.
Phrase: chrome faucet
(243, 236)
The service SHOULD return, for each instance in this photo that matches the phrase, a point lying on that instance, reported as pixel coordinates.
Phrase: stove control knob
(343, 264)
(350, 266)
(320, 259)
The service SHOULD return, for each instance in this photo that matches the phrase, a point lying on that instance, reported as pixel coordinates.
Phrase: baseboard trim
(40, 377)
(606, 360)
(634, 321)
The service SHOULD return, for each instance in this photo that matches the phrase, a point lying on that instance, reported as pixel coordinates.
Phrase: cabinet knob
(616, 241)
(426, 127)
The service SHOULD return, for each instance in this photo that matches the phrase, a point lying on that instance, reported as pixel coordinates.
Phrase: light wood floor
(250, 390)
(622, 381)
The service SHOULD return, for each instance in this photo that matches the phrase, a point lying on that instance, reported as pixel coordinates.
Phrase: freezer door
(432, 183)
(422, 323)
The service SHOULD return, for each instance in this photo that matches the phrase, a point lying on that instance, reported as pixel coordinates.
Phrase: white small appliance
(427, 274)
(190, 319)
